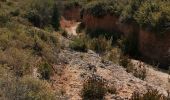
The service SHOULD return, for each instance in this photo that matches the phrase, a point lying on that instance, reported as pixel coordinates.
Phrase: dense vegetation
(154, 15)
(23, 48)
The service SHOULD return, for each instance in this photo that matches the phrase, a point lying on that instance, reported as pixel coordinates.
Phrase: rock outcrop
(152, 47)
(107, 22)
(78, 66)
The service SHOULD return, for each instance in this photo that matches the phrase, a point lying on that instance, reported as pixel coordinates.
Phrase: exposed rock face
(107, 22)
(72, 14)
(155, 47)
(152, 47)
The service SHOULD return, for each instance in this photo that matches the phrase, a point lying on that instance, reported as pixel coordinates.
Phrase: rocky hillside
(78, 66)
(46, 53)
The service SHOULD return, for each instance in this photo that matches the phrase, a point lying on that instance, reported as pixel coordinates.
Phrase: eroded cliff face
(107, 22)
(152, 47)
(72, 14)
(156, 48)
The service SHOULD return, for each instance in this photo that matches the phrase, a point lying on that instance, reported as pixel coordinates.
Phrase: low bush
(26, 88)
(113, 55)
(138, 71)
(107, 34)
(4, 19)
(112, 89)
(94, 89)
(129, 9)
(38, 9)
(45, 70)
(124, 61)
(151, 94)
(79, 44)
(101, 8)
(20, 46)
(16, 12)
(19, 60)
(100, 44)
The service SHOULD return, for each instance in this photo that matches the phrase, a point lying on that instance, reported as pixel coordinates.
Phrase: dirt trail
(69, 26)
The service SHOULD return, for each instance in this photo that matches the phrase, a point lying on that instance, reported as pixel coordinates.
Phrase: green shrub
(45, 44)
(55, 18)
(45, 70)
(100, 44)
(101, 8)
(4, 19)
(79, 44)
(124, 61)
(73, 4)
(38, 47)
(18, 59)
(138, 71)
(94, 89)
(43, 13)
(16, 12)
(113, 55)
(153, 15)
(151, 94)
(129, 9)
(26, 88)
(100, 32)
(19, 46)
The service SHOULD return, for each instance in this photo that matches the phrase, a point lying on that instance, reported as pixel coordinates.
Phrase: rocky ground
(78, 66)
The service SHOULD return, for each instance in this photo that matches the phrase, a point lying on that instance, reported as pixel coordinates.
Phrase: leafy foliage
(154, 14)
(101, 8)
(38, 9)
